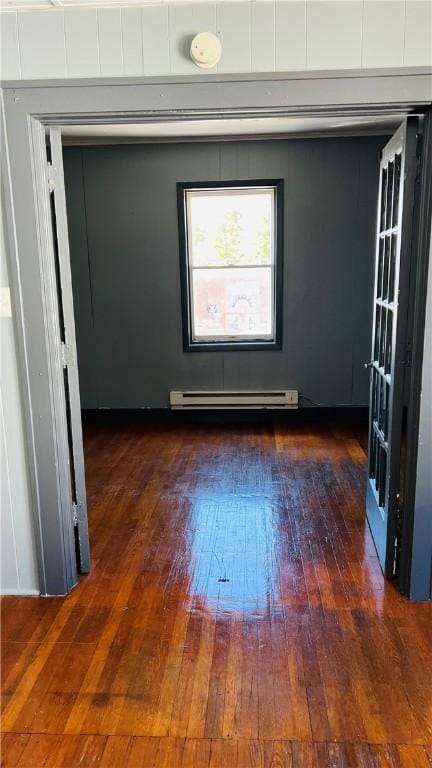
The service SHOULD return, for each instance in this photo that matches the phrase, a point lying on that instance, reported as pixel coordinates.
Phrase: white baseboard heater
(239, 399)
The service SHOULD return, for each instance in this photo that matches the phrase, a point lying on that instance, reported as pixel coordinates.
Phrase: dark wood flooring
(235, 615)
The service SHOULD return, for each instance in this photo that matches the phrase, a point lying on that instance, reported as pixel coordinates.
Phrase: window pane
(230, 227)
(233, 303)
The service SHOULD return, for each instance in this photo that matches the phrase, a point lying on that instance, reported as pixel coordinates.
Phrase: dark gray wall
(122, 213)
(421, 574)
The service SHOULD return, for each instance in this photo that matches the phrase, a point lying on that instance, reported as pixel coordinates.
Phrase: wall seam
(66, 47)
(98, 40)
(168, 22)
(142, 42)
(352, 398)
(87, 233)
(121, 40)
(250, 37)
(142, 39)
(64, 42)
(274, 35)
(213, 5)
(306, 34)
(19, 45)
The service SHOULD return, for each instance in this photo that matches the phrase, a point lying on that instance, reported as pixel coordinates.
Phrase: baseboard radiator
(238, 399)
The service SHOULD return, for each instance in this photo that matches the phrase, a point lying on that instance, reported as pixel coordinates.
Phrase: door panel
(78, 503)
(389, 339)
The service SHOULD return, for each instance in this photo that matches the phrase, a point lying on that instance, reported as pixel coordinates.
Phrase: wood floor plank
(170, 752)
(12, 745)
(196, 753)
(115, 754)
(39, 750)
(413, 756)
(235, 615)
(250, 753)
(143, 752)
(75, 751)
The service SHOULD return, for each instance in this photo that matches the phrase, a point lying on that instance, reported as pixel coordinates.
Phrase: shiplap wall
(257, 36)
(18, 564)
(114, 244)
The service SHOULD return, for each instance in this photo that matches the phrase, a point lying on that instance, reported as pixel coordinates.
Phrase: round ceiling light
(206, 50)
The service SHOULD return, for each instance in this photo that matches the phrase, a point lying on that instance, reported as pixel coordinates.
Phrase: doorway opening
(122, 230)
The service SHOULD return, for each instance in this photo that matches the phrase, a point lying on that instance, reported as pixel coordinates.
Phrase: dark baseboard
(358, 413)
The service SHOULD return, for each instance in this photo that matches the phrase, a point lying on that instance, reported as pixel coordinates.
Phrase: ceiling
(260, 127)
(32, 5)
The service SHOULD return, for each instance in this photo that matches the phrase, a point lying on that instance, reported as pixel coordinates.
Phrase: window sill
(231, 346)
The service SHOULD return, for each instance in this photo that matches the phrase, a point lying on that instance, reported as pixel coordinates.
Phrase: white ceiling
(41, 5)
(230, 128)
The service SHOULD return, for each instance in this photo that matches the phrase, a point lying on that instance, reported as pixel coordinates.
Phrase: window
(231, 264)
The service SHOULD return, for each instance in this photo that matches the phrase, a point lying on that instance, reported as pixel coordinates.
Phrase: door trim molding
(244, 77)
(32, 106)
(415, 578)
(23, 362)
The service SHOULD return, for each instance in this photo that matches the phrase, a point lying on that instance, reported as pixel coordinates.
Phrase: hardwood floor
(235, 615)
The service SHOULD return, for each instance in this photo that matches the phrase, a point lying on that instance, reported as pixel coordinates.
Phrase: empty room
(216, 345)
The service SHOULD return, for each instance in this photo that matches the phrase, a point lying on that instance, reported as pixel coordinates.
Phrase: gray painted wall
(122, 213)
(18, 571)
(422, 539)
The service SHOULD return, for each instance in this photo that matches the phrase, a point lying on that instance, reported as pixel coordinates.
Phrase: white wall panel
(263, 36)
(418, 33)
(10, 67)
(42, 44)
(290, 38)
(234, 28)
(383, 33)
(132, 41)
(82, 46)
(256, 35)
(155, 40)
(110, 42)
(334, 34)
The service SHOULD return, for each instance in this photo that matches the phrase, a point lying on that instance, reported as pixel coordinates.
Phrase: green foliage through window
(228, 239)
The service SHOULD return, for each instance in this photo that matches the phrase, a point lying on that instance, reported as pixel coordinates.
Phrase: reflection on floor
(235, 615)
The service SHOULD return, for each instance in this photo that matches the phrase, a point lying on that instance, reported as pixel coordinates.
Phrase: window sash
(212, 337)
(225, 192)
